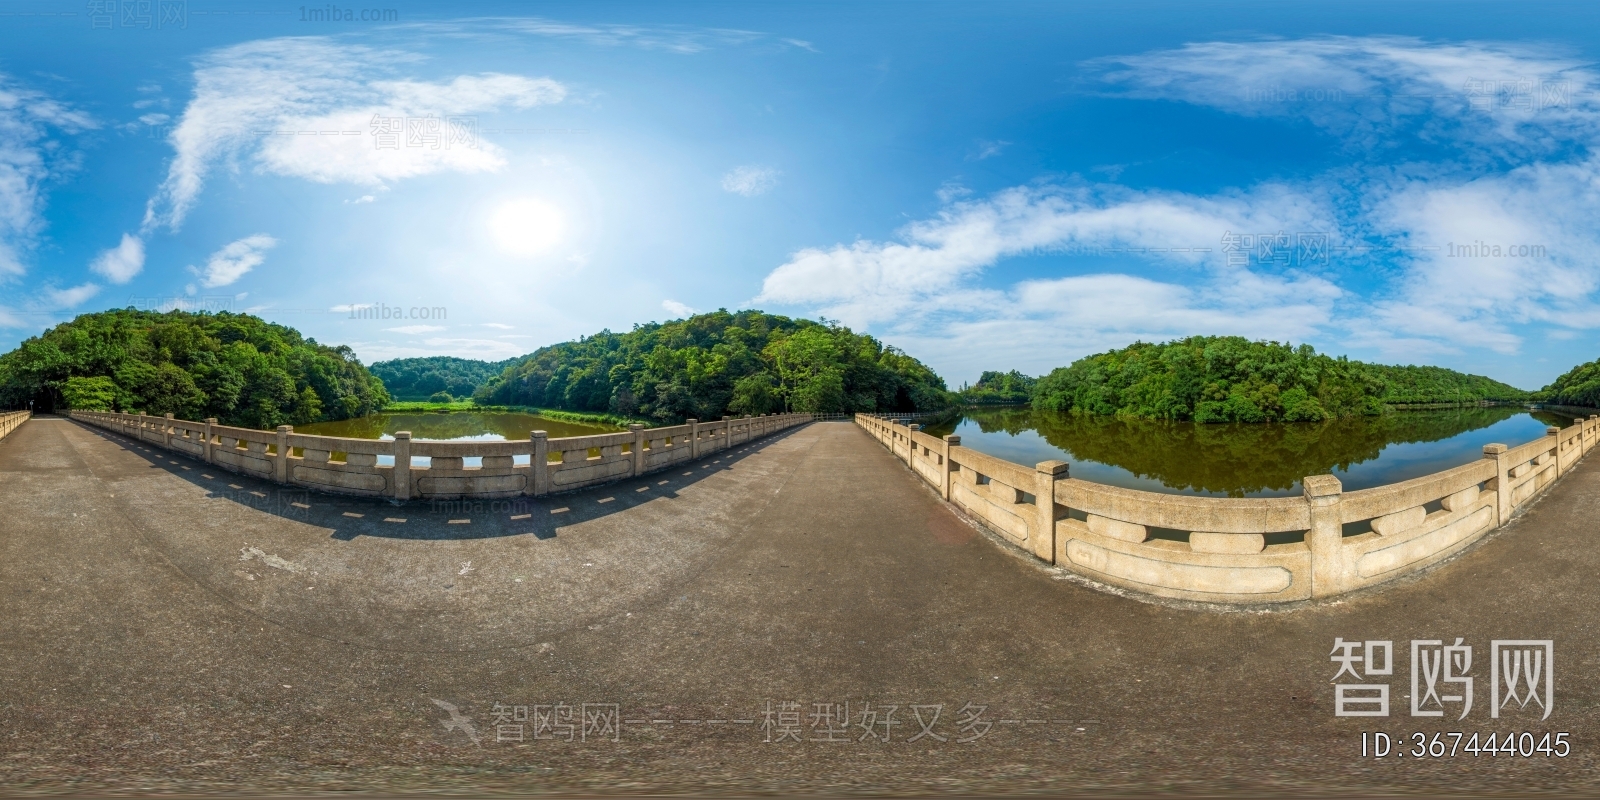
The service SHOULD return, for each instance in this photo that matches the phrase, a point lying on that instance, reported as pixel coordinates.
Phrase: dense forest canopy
(1231, 379)
(1579, 387)
(238, 368)
(1000, 387)
(1413, 384)
(422, 378)
(717, 364)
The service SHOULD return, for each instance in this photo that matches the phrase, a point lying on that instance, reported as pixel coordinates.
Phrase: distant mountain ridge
(421, 378)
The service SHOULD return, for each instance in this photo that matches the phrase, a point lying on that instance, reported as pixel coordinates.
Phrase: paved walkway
(170, 628)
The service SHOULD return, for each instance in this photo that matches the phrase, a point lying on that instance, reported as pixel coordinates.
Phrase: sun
(527, 226)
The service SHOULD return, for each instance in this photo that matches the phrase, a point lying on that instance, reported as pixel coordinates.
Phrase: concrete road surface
(799, 615)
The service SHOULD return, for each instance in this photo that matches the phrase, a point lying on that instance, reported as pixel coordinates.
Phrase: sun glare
(527, 226)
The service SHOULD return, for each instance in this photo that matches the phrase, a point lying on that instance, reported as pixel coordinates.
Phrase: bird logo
(457, 720)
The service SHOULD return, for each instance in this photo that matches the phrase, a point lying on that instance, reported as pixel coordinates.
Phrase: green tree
(235, 367)
(1580, 386)
(712, 365)
(1230, 379)
(89, 394)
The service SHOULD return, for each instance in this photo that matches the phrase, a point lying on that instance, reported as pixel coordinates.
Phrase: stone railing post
(539, 464)
(1329, 573)
(210, 421)
(402, 466)
(949, 441)
(727, 432)
(166, 431)
(638, 447)
(280, 465)
(1501, 482)
(911, 444)
(138, 432)
(694, 438)
(1043, 541)
(1555, 443)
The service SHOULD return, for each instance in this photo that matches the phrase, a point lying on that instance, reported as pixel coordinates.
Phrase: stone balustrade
(1248, 551)
(505, 469)
(11, 420)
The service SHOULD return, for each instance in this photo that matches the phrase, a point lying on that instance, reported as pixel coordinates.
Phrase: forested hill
(1579, 387)
(235, 367)
(1231, 379)
(999, 387)
(719, 364)
(422, 378)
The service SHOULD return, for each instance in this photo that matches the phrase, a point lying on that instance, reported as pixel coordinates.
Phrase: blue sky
(989, 186)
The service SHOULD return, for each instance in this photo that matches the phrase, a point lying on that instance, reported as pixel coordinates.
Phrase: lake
(488, 426)
(1247, 460)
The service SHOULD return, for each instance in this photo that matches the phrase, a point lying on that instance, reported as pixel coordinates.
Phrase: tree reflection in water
(1241, 459)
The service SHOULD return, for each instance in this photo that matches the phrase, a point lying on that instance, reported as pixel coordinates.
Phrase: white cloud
(489, 349)
(932, 268)
(121, 263)
(71, 298)
(500, 325)
(154, 119)
(750, 180)
(234, 260)
(1362, 87)
(1518, 121)
(485, 349)
(675, 39)
(677, 309)
(302, 107)
(28, 158)
(1541, 219)
(988, 149)
(926, 287)
(414, 330)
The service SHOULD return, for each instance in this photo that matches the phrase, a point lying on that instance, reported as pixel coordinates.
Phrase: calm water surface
(496, 426)
(1247, 460)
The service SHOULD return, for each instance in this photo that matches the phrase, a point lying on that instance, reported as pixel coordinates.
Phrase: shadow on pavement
(351, 517)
